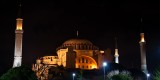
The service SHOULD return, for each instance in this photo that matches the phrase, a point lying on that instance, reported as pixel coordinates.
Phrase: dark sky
(47, 24)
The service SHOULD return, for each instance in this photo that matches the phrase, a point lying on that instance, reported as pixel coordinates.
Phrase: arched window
(82, 60)
(83, 67)
(85, 62)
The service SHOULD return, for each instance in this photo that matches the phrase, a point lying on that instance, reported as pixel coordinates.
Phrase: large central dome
(79, 44)
(77, 41)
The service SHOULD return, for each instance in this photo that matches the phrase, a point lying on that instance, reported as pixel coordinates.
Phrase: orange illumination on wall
(19, 24)
(94, 66)
(86, 62)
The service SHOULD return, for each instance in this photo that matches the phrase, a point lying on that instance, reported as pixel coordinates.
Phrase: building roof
(79, 44)
(77, 41)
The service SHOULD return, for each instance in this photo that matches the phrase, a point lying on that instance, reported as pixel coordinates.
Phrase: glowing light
(94, 66)
(142, 37)
(102, 52)
(73, 75)
(17, 61)
(148, 75)
(104, 64)
(19, 24)
(116, 52)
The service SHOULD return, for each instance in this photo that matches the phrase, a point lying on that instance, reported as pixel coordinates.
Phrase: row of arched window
(83, 60)
(81, 46)
(84, 67)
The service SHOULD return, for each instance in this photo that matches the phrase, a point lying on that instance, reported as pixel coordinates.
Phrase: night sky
(47, 24)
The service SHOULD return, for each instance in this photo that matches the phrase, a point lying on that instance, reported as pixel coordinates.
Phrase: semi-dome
(79, 44)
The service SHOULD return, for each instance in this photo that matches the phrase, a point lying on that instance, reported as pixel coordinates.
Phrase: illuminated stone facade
(86, 54)
(76, 53)
(50, 60)
(41, 70)
(80, 53)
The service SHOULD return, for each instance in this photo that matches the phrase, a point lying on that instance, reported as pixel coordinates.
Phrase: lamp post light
(104, 65)
(148, 75)
(73, 75)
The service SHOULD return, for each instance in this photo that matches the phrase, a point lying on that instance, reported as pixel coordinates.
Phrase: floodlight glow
(104, 64)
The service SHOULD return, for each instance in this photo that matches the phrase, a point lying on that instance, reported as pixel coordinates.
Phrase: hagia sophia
(78, 53)
(73, 53)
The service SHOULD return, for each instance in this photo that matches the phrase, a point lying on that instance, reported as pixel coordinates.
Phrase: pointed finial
(19, 3)
(77, 33)
(19, 10)
(141, 25)
(116, 42)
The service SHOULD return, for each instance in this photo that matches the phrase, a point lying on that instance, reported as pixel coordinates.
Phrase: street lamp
(104, 65)
(148, 75)
(73, 75)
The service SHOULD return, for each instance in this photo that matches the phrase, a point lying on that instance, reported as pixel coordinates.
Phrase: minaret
(143, 53)
(18, 40)
(116, 55)
(77, 33)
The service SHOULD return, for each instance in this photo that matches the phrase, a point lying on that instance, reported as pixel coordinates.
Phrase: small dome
(38, 61)
(79, 44)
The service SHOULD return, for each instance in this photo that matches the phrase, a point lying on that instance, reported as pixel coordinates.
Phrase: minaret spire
(19, 10)
(18, 40)
(142, 43)
(116, 43)
(143, 53)
(141, 25)
(141, 20)
(116, 55)
(77, 33)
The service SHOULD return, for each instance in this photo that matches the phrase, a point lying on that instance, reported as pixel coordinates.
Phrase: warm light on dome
(79, 44)
(77, 41)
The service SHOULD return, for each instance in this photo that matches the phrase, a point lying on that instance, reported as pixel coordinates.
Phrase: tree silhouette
(157, 74)
(19, 73)
(121, 77)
